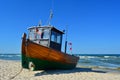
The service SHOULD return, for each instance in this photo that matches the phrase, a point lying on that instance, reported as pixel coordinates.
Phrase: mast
(66, 40)
(50, 17)
(51, 14)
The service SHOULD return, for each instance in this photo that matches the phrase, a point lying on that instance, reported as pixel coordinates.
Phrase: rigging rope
(16, 74)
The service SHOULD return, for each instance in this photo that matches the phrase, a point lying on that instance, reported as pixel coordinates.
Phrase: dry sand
(8, 69)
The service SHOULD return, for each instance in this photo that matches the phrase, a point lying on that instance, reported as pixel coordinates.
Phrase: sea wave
(10, 56)
(111, 62)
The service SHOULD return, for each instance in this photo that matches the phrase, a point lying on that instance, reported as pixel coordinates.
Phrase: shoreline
(9, 68)
(102, 68)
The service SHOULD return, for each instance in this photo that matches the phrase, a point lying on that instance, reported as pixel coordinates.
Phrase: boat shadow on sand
(52, 72)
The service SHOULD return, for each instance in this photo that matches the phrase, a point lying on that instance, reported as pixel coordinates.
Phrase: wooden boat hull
(45, 58)
(45, 64)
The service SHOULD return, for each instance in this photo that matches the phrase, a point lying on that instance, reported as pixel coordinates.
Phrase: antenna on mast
(51, 14)
(50, 17)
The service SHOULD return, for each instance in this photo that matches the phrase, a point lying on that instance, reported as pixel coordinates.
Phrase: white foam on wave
(106, 56)
(86, 57)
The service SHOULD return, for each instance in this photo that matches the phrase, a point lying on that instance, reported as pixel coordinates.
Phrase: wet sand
(10, 69)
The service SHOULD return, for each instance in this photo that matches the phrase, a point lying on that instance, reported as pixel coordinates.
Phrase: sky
(93, 25)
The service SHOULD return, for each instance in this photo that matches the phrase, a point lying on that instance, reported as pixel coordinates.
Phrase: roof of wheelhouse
(51, 27)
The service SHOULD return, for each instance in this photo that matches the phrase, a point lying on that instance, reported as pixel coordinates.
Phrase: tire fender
(31, 66)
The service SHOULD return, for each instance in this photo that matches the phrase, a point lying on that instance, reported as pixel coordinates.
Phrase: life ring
(31, 66)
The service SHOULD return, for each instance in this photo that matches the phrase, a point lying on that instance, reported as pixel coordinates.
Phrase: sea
(106, 61)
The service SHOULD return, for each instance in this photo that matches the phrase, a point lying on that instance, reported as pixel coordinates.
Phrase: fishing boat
(41, 49)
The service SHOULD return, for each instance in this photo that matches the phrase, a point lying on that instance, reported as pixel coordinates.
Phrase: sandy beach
(10, 69)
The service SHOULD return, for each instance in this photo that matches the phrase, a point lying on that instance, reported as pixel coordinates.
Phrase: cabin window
(46, 34)
(53, 37)
(56, 37)
(32, 34)
(39, 33)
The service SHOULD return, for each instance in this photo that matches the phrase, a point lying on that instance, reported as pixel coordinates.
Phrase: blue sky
(93, 25)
